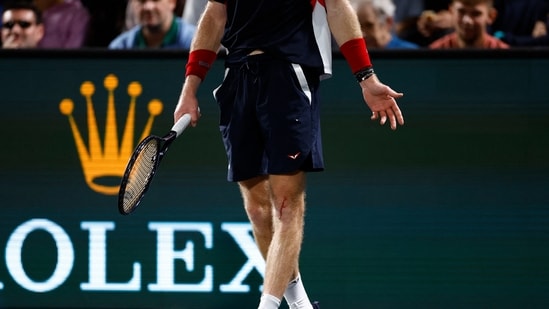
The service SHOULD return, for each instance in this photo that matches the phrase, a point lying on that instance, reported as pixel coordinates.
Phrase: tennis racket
(143, 165)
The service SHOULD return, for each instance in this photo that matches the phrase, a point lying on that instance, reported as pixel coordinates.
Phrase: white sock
(296, 296)
(268, 302)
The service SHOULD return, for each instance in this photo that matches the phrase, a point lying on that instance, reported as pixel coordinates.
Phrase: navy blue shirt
(282, 28)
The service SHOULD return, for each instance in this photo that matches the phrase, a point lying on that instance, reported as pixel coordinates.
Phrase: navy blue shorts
(270, 118)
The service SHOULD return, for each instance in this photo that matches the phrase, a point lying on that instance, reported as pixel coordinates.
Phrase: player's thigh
(255, 190)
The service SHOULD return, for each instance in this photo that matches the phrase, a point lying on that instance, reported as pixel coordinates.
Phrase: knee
(288, 193)
(289, 208)
(259, 212)
(257, 203)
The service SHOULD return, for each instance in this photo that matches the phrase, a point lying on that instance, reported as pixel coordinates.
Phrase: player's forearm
(210, 28)
(342, 20)
(206, 41)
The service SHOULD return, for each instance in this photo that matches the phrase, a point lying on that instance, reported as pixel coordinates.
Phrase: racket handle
(181, 124)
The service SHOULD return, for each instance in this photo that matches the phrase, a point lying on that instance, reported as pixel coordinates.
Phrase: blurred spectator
(66, 23)
(21, 25)
(435, 21)
(471, 21)
(1, 11)
(158, 27)
(132, 20)
(422, 21)
(193, 10)
(406, 15)
(405, 9)
(377, 24)
(522, 22)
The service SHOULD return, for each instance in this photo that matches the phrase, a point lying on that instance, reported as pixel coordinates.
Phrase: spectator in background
(158, 27)
(471, 21)
(422, 21)
(132, 20)
(66, 23)
(21, 25)
(435, 21)
(1, 11)
(406, 15)
(376, 18)
(522, 22)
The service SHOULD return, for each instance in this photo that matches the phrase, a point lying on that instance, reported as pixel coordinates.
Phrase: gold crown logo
(110, 159)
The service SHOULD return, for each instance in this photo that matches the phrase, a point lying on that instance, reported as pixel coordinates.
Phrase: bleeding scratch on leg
(282, 208)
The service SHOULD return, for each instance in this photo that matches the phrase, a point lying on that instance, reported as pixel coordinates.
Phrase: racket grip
(181, 124)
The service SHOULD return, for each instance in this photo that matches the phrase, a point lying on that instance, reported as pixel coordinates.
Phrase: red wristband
(200, 62)
(356, 54)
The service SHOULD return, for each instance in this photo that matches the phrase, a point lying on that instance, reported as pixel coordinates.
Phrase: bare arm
(342, 20)
(210, 27)
(208, 37)
(380, 98)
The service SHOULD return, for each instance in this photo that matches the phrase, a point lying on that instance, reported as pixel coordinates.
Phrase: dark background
(449, 211)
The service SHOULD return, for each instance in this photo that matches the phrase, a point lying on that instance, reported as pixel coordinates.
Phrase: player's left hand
(381, 100)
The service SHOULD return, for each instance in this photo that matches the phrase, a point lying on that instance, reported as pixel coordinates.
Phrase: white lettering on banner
(65, 255)
(97, 269)
(166, 255)
(241, 232)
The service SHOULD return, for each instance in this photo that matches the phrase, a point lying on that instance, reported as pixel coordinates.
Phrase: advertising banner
(449, 211)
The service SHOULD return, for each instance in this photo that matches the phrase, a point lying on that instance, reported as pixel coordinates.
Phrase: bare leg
(275, 207)
(288, 199)
(257, 202)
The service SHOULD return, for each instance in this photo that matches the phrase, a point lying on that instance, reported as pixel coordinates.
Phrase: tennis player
(278, 52)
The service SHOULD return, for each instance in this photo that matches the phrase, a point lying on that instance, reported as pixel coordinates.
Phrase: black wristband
(364, 74)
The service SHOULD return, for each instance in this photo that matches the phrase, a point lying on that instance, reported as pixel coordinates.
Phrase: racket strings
(140, 175)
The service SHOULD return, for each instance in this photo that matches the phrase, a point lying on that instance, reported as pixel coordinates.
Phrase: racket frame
(162, 147)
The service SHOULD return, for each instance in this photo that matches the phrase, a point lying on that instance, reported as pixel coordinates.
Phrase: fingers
(195, 116)
(393, 114)
(394, 94)
(395, 118)
(398, 114)
(382, 102)
(382, 117)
